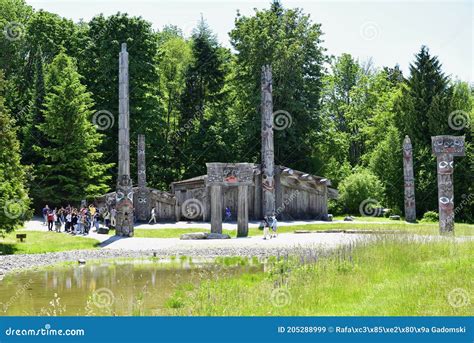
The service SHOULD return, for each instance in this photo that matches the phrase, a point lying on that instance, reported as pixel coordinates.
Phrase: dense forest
(198, 101)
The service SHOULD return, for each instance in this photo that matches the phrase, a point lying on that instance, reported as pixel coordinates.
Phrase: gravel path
(36, 224)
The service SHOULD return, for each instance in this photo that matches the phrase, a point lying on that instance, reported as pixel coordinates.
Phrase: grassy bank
(391, 278)
(38, 242)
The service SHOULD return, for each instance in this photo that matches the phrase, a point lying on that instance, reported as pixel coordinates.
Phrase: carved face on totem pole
(231, 174)
(407, 149)
(452, 145)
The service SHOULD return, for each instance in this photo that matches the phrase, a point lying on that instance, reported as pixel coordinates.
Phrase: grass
(163, 233)
(38, 242)
(420, 228)
(393, 277)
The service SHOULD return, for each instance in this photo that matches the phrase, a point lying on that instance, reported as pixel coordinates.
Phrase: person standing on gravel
(274, 226)
(113, 212)
(45, 214)
(266, 226)
(153, 216)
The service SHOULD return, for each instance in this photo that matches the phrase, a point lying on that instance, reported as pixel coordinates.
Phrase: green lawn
(40, 242)
(424, 228)
(163, 233)
(389, 278)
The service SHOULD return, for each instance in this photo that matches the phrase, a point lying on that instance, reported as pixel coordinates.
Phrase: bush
(430, 217)
(361, 192)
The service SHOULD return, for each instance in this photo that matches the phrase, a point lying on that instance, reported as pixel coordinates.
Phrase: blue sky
(390, 32)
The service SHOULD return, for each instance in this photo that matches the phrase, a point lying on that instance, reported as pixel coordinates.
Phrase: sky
(389, 32)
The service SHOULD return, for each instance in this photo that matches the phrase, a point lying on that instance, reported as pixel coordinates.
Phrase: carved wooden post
(216, 208)
(143, 199)
(268, 187)
(124, 193)
(243, 212)
(409, 179)
(445, 148)
(141, 162)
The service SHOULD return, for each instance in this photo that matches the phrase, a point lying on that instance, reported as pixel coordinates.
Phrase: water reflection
(139, 287)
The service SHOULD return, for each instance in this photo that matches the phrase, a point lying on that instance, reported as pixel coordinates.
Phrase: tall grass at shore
(395, 276)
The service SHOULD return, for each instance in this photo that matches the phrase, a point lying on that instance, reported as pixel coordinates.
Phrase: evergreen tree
(14, 201)
(290, 42)
(422, 111)
(201, 97)
(71, 168)
(99, 65)
(33, 135)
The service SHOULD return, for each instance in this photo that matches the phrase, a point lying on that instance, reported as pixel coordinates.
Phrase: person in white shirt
(153, 216)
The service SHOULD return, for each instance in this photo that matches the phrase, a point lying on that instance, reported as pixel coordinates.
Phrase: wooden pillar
(243, 212)
(268, 187)
(409, 181)
(141, 162)
(124, 193)
(216, 208)
(445, 148)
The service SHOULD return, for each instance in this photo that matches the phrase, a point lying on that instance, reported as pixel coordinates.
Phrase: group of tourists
(77, 221)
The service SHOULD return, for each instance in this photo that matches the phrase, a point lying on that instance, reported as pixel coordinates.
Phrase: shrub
(429, 217)
(361, 189)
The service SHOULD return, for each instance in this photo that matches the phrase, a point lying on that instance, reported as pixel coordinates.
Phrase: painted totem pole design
(445, 148)
(409, 180)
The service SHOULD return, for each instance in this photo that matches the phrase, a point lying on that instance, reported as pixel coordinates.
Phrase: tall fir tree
(14, 201)
(422, 110)
(71, 167)
(32, 133)
(99, 65)
(202, 94)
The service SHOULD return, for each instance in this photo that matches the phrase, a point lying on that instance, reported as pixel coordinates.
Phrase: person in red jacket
(50, 220)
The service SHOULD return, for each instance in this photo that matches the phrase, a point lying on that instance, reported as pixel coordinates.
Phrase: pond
(123, 288)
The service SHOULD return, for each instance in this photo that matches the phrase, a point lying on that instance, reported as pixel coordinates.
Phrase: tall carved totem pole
(124, 194)
(268, 169)
(409, 179)
(445, 148)
(142, 210)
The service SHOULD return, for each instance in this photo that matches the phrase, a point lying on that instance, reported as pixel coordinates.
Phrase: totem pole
(142, 209)
(409, 179)
(268, 182)
(445, 148)
(124, 193)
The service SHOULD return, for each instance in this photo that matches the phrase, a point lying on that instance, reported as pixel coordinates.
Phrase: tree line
(197, 101)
